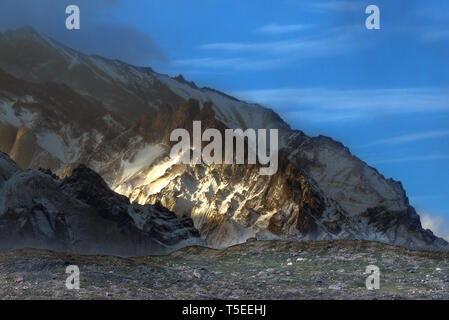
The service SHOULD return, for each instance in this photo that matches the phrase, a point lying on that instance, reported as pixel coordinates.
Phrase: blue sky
(383, 93)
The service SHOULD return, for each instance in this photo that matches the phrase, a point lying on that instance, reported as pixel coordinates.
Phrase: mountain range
(86, 144)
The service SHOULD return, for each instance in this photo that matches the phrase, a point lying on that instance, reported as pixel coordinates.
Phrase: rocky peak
(116, 119)
(181, 79)
(81, 214)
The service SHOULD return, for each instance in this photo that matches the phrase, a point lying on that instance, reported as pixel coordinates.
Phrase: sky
(383, 93)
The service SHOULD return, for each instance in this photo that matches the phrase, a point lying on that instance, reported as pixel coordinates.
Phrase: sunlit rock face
(60, 108)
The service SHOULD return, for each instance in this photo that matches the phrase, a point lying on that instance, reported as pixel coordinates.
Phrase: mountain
(80, 214)
(60, 109)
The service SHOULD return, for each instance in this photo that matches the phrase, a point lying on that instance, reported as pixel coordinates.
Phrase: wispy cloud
(433, 157)
(272, 54)
(412, 137)
(318, 116)
(250, 55)
(320, 104)
(228, 64)
(280, 29)
(438, 224)
(328, 44)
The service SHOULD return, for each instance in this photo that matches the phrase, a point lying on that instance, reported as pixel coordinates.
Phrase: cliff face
(81, 214)
(60, 108)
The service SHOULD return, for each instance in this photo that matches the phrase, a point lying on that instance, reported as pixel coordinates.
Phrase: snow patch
(141, 160)
(54, 144)
(9, 115)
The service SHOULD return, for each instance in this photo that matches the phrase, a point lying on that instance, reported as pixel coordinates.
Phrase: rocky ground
(254, 270)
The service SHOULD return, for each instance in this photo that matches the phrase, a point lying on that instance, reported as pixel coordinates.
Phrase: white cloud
(320, 104)
(412, 137)
(329, 42)
(229, 63)
(438, 224)
(432, 157)
(273, 54)
(280, 29)
(318, 116)
(279, 53)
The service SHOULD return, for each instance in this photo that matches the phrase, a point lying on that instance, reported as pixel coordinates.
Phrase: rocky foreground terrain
(254, 270)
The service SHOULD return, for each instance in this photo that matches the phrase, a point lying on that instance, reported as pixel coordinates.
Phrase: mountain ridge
(137, 107)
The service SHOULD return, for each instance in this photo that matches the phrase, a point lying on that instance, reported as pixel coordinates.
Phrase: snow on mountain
(351, 182)
(60, 108)
(230, 204)
(232, 112)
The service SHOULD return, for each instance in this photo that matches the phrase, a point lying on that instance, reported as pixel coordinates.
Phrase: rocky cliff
(81, 214)
(60, 108)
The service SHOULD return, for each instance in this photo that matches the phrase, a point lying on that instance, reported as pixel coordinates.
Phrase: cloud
(432, 157)
(319, 43)
(280, 29)
(280, 53)
(412, 137)
(318, 116)
(273, 54)
(324, 44)
(438, 224)
(262, 55)
(321, 105)
(229, 64)
(98, 34)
